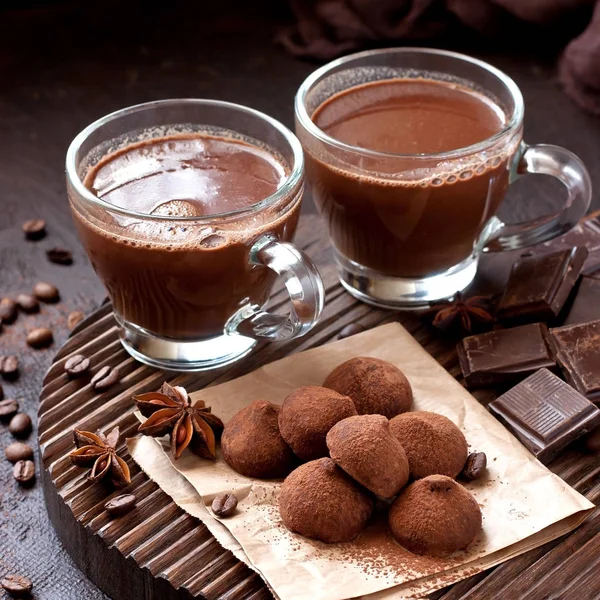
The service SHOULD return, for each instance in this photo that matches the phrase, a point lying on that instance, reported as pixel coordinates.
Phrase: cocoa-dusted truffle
(318, 500)
(375, 386)
(307, 415)
(367, 450)
(252, 445)
(435, 516)
(433, 443)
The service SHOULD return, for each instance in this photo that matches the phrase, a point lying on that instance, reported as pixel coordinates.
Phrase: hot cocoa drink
(387, 215)
(183, 279)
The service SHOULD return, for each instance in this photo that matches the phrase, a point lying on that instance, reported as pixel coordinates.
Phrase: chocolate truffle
(367, 450)
(434, 444)
(375, 386)
(252, 445)
(318, 500)
(435, 516)
(307, 415)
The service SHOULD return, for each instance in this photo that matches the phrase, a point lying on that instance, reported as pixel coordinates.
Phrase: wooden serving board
(159, 552)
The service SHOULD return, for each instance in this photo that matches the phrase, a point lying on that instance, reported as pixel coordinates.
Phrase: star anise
(99, 451)
(171, 412)
(463, 314)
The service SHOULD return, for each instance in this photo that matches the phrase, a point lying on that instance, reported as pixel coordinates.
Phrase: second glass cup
(409, 153)
(186, 209)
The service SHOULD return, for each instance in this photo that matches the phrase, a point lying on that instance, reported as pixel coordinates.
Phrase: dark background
(65, 65)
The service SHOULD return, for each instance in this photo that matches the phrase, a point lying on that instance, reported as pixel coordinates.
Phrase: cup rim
(290, 183)
(308, 124)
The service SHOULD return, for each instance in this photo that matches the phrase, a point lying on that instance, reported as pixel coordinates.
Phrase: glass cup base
(173, 355)
(401, 293)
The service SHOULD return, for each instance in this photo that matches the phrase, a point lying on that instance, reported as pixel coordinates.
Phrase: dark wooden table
(64, 66)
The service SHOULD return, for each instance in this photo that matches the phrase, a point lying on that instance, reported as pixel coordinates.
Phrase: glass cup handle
(303, 283)
(568, 169)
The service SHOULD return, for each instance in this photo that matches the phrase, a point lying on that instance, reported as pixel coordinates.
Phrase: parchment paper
(524, 505)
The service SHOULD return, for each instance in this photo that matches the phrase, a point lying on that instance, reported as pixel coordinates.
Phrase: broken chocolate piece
(586, 305)
(539, 286)
(504, 355)
(577, 352)
(545, 414)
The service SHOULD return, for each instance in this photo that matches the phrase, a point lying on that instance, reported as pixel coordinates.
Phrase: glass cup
(408, 229)
(189, 292)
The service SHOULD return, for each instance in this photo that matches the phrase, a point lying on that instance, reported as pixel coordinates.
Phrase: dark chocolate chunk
(539, 286)
(545, 414)
(586, 305)
(577, 352)
(504, 355)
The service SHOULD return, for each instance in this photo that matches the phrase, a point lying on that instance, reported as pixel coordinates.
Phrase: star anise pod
(464, 314)
(98, 451)
(171, 412)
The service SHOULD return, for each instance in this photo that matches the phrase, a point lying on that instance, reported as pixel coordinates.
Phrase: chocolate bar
(577, 351)
(586, 305)
(545, 414)
(504, 355)
(539, 286)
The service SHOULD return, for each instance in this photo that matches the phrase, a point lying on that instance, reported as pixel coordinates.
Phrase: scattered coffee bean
(475, 466)
(224, 505)
(17, 586)
(8, 310)
(350, 330)
(24, 472)
(9, 367)
(46, 292)
(77, 365)
(40, 338)
(120, 505)
(59, 256)
(591, 441)
(18, 451)
(8, 409)
(34, 229)
(20, 425)
(28, 303)
(74, 319)
(104, 378)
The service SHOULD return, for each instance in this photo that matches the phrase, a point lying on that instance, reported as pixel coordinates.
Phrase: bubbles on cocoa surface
(214, 240)
(178, 208)
(451, 178)
(437, 181)
(466, 174)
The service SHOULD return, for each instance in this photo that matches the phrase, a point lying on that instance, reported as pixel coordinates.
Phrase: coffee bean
(59, 256)
(24, 472)
(9, 367)
(475, 466)
(224, 505)
(18, 451)
(120, 505)
(74, 319)
(350, 330)
(20, 425)
(28, 303)
(77, 365)
(8, 409)
(104, 378)
(17, 586)
(40, 338)
(591, 441)
(46, 292)
(8, 310)
(34, 229)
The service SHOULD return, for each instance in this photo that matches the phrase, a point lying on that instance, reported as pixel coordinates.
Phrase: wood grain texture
(158, 551)
(64, 64)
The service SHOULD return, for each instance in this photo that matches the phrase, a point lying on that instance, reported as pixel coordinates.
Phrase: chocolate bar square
(504, 355)
(545, 414)
(586, 305)
(577, 351)
(539, 286)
